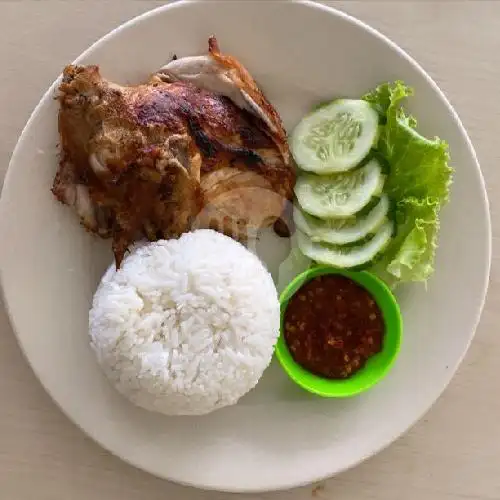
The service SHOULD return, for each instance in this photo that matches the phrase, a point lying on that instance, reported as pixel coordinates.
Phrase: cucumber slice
(347, 256)
(342, 231)
(339, 195)
(335, 137)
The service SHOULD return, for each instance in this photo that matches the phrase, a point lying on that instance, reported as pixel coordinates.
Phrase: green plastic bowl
(375, 368)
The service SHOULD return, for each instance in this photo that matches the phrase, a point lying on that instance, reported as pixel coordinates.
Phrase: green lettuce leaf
(418, 185)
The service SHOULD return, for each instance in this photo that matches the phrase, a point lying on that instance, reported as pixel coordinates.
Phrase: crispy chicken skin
(160, 158)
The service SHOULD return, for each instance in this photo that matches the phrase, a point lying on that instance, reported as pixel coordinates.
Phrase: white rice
(186, 326)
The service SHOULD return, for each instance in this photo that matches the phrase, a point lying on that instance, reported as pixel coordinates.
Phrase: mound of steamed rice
(186, 326)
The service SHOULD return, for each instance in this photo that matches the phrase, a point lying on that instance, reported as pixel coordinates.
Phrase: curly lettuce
(418, 185)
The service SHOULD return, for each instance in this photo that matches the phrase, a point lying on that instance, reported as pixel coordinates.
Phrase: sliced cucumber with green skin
(342, 231)
(347, 256)
(339, 195)
(335, 137)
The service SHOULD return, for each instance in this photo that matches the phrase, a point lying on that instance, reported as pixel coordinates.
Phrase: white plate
(278, 436)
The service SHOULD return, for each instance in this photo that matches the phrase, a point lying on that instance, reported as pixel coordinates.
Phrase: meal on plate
(182, 169)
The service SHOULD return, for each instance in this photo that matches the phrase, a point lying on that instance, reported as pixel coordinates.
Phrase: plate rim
(175, 4)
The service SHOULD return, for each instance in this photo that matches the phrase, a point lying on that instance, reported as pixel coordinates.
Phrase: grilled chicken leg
(160, 158)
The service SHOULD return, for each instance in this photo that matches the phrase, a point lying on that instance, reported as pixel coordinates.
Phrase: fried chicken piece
(157, 159)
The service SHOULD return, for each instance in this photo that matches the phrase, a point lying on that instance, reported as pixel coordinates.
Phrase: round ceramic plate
(278, 436)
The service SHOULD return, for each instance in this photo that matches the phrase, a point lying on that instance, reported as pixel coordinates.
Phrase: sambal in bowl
(341, 331)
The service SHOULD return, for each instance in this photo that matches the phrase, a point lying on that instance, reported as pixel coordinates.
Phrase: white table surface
(452, 454)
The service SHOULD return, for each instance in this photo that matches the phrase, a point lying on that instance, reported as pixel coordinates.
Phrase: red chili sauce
(332, 326)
